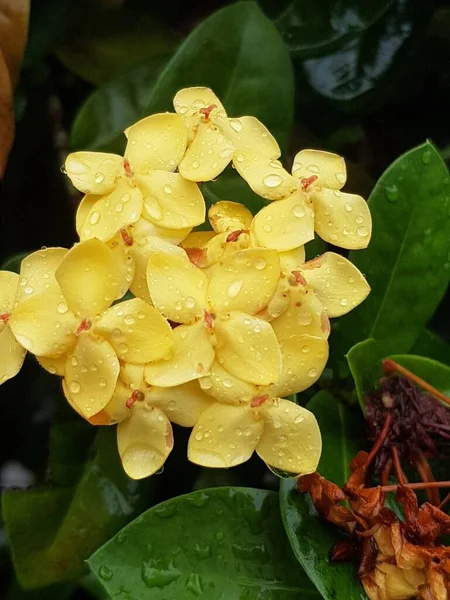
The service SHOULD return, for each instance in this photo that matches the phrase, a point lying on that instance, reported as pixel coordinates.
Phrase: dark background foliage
(372, 80)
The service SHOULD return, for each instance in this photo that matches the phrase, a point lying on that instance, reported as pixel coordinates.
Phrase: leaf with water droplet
(310, 536)
(230, 543)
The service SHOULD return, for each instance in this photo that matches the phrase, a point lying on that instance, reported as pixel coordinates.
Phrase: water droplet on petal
(362, 231)
(102, 382)
(74, 386)
(234, 288)
(272, 180)
(298, 211)
(99, 178)
(94, 218)
(260, 264)
(236, 125)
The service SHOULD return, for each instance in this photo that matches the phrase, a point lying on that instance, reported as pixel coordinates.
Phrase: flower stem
(417, 486)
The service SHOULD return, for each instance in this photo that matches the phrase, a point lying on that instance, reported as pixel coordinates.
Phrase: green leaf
(430, 344)
(53, 530)
(108, 39)
(12, 263)
(216, 544)
(310, 536)
(237, 52)
(407, 263)
(365, 359)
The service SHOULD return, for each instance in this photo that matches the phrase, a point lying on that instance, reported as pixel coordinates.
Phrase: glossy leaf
(365, 359)
(431, 345)
(407, 263)
(310, 536)
(53, 529)
(222, 543)
(255, 77)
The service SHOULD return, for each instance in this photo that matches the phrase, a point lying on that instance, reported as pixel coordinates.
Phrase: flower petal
(292, 260)
(304, 358)
(188, 101)
(278, 303)
(248, 349)
(136, 331)
(198, 239)
(111, 213)
(83, 210)
(266, 177)
(44, 325)
(245, 281)
(247, 133)
(143, 229)
(145, 440)
(339, 285)
(94, 172)
(125, 266)
(342, 219)
(170, 201)
(183, 404)
(192, 356)
(156, 142)
(329, 168)
(225, 436)
(87, 276)
(177, 287)
(228, 216)
(207, 156)
(116, 410)
(37, 273)
(92, 370)
(55, 365)
(285, 224)
(291, 439)
(304, 315)
(9, 282)
(227, 388)
(12, 354)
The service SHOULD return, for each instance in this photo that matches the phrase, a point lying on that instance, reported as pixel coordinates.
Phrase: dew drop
(348, 207)
(359, 219)
(168, 189)
(391, 192)
(105, 573)
(313, 372)
(313, 168)
(340, 177)
(102, 382)
(344, 302)
(272, 181)
(240, 157)
(260, 264)
(74, 387)
(190, 302)
(129, 319)
(362, 231)
(29, 290)
(234, 288)
(236, 125)
(99, 178)
(298, 211)
(119, 207)
(62, 308)
(227, 383)
(94, 218)
(226, 153)
(195, 164)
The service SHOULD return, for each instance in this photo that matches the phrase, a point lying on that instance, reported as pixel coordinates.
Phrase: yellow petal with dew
(305, 314)
(228, 216)
(225, 436)
(342, 219)
(266, 177)
(94, 172)
(156, 142)
(55, 365)
(245, 281)
(170, 201)
(92, 370)
(247, 133)
(285, 224)
(291, 440)
(116, 410)
(111, 213)
(132, 375)
(292, 260)
(136, 331)
(338, 284)
(9, 283)
(209, 253)
(144, 440)
(304, 358)
(83, 210)
(37, 273)
(278, 303)
(207, 156)
(177, 287)
(183, 404)
(227, 388)
(88, 278)
(189, 101)
(12, 354)
(191, 358)
(45, 325)
(143, 229)
(125, 266)
(248, 349)
(329, 168)
(198, 239)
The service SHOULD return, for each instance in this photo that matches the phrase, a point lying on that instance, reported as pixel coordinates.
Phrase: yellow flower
(70, 317)
(218, 316)
(309, 199)
(285, 435)
(144, 413)
(215, 139)
(12, 354)
(119, 190)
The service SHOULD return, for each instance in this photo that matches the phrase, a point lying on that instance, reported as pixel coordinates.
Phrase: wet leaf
(311, 537)
(430, 344)
(222, 543)
(255, 78)
(407, 263)
(54, 529)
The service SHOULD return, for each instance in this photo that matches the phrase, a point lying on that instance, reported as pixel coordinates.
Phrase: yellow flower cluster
(221, 324)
